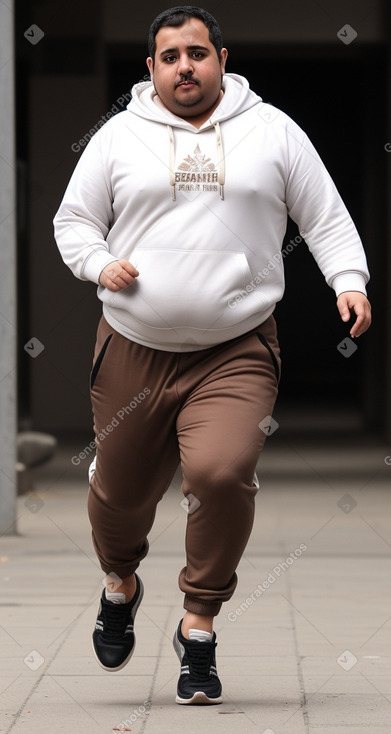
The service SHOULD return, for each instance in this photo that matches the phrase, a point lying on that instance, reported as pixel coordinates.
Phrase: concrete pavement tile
(341, 729)
(258, 666)
(349, 661)
(349, 709)
(81, 705)
(248, 650)
(14, 688)
(381, 683)
(241, 711)
(338, 684)
(221, 719)
(74, 666)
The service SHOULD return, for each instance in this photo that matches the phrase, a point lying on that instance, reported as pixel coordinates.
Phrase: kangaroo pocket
(192, 288)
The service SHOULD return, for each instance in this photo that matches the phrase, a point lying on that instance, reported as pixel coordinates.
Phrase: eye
(198, 55)
(169, 59)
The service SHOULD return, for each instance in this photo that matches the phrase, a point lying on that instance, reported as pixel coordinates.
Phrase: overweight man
(177, 210)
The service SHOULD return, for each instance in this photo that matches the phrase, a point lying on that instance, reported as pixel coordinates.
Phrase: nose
(185, 66)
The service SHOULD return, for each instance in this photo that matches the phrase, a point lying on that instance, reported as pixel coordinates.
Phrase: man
(177, 209)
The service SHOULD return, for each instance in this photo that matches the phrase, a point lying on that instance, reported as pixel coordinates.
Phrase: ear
(150, 66)
(223, 59)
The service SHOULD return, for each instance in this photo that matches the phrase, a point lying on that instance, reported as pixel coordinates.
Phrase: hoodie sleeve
(84, 217)
(317, 208)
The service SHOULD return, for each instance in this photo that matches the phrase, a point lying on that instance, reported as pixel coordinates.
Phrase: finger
(124, 277)
(361, 324)
(123, 280)
(343, 309)
(119, 284)
(116, 276)
(129, 268)
(111, 286)
(357, 326)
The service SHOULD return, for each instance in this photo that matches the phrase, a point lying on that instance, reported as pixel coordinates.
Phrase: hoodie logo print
(197, 172)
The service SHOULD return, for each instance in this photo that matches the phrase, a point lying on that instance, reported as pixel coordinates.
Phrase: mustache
(187, 78)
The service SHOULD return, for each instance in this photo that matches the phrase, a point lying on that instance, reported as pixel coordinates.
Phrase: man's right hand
(118, 275)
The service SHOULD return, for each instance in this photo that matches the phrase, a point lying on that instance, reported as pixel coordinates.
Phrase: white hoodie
(202, 213)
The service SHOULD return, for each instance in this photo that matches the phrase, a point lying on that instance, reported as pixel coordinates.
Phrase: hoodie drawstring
(171, 159)
(220, 159)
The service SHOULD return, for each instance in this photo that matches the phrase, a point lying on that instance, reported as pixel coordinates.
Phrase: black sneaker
(113, 638)
(198, 681)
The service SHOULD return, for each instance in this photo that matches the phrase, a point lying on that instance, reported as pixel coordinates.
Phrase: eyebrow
(188, 48)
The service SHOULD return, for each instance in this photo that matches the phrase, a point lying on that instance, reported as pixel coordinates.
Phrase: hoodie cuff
(95, 263)
(349, 282)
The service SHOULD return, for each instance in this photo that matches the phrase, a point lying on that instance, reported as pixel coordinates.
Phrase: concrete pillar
(7, 275)
(387, 264)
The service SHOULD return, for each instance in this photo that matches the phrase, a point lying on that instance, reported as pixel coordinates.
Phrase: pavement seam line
(303, 696)
(156, 670)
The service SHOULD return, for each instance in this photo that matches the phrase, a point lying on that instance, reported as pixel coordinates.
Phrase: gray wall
(7, 270)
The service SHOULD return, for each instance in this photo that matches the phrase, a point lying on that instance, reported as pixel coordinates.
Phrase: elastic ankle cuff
(207, 609)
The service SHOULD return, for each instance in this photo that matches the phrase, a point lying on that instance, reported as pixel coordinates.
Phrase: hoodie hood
(238, 98)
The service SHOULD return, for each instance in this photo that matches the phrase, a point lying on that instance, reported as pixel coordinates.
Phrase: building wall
(282, 21)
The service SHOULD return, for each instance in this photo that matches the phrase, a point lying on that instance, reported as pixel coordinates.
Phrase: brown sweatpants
(153, 409)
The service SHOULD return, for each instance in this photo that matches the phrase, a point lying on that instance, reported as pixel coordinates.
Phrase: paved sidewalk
(303, 647)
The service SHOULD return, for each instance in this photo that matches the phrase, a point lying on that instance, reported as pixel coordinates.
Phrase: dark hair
(177, 16)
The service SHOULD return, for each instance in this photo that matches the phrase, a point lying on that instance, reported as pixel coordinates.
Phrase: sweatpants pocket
(266, 344)
(98, 361)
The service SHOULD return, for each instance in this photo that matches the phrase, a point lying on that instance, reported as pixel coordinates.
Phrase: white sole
(199, 697)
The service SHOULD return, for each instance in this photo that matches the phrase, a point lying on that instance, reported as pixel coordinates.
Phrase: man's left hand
(352, 303)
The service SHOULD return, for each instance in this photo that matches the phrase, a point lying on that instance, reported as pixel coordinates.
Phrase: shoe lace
(200, 658)
(115, 620)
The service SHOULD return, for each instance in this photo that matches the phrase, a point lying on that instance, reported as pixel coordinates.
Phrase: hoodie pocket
(188, 288)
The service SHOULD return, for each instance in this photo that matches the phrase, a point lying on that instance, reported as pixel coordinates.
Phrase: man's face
(186, 71)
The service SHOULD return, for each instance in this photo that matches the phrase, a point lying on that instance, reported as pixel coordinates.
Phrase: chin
(188, 104)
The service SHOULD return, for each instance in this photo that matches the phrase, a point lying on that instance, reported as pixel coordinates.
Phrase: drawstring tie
(171, 161)
(220, 159)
